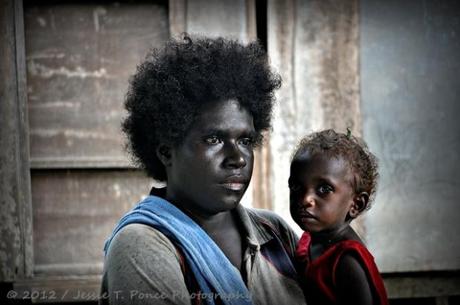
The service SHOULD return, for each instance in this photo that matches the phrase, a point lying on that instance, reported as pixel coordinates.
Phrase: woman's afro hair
(362, 163)
(175, 82)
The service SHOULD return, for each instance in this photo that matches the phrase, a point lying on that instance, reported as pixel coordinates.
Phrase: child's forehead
(320, 163)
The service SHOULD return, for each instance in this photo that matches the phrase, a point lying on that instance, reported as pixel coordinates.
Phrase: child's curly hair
(175, 82)
(352, 149)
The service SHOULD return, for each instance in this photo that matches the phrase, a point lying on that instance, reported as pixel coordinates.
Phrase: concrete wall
(410, 89)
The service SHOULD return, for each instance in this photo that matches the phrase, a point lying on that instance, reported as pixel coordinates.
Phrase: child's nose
(309, 199)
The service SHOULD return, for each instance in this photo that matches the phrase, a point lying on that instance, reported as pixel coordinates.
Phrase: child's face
(321, 194)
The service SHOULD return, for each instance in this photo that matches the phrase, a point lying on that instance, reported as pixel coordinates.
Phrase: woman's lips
(234, 186)
(235, 183)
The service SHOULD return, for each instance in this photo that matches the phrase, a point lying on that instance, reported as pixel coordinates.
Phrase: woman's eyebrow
(253, 134)
(224, 132)
(214, 131)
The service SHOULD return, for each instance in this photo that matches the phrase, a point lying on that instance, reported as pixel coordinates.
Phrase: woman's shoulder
(139, 239)
(270, 218)
(142, 261)
(264, 213)
(272, 222)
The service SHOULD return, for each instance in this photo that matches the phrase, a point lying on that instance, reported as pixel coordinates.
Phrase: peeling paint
(100, 11)
(69, 142)
(9, 231)
(52, 54)
(52, 19)
(36, 69)
(116, 188)
(56, 104)
(41, 21)
(313, 45)
(80, 134)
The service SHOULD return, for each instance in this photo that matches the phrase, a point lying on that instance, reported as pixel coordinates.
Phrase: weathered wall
(74, 212)
(218, 18)
(228, 18)
(79, 58)
(410, 100)
(409, 92)
(314, 45)
(15, 213)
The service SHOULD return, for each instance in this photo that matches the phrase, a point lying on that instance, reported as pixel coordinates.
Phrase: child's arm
(352, 283)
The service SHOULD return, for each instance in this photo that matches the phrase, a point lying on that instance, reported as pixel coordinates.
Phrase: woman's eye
(246, 141)
(213, 140)
(325, 189)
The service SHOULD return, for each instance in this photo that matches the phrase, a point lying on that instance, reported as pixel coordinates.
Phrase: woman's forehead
(224, 115)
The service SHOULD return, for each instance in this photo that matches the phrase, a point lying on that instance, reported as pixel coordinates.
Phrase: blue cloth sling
(214, 273)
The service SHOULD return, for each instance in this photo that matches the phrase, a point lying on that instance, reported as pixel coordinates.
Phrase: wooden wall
(65, 179)
(15, 200)
(314, 45)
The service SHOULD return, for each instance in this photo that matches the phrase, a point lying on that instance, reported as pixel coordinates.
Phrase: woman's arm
(352, 282)
(142, 267)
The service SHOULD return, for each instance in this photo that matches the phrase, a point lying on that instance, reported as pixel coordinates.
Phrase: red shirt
(318, 276)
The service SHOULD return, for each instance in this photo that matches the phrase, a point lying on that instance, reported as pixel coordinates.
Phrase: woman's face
(211, 169)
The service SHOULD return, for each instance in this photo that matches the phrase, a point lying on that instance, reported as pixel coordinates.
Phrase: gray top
(143, 266)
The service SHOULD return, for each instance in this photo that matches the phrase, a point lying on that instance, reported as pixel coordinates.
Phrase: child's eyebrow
(327, 180)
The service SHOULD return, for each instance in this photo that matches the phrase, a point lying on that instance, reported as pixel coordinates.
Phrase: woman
(196, 111)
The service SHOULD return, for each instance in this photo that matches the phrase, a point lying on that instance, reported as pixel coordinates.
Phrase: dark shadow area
(261, 22)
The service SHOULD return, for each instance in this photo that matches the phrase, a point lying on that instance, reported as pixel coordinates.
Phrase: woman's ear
(163, 152)
(360, 203)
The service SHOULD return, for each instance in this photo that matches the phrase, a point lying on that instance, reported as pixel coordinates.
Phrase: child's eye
(213, 140)
(293, 186)
(324, 189)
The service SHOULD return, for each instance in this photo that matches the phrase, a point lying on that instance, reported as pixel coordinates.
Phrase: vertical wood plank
(177, 13)
(25, 193)
(251, 22)
(261, 191)
(217, 18)
(314, 45)
(259, 188)
(16, 257)
(281, 34)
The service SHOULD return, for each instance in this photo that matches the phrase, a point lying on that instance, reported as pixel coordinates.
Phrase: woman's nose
(234, 158)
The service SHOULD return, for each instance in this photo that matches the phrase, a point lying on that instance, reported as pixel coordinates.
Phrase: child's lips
(305, 214)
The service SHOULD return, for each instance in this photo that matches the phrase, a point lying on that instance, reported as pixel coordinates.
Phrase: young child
(333, 180)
